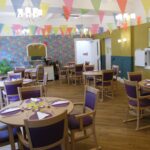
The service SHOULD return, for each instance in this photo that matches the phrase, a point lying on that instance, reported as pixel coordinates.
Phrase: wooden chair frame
(41, 123)
(85, 112)
(29, 88)
(138, 108)
(129, 74)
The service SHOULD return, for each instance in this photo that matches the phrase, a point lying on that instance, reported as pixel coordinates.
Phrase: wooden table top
(145, 84)
(25, 82)
(92, 73)
(18, 118)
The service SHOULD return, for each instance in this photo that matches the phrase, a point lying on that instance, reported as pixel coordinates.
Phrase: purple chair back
(20, 71)
(89, 67)
(30, 92)
(91, 96)
(48, 131)
(131, 89)
(79, 69)
(107, 75)
(135, 76)
(11, 89)
(12, 76)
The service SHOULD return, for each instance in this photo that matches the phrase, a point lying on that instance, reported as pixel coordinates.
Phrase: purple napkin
(3, 113)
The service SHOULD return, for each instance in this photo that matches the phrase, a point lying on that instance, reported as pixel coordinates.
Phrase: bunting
(17, 4)
(63, 29)
(32, 29)
(96, 4)
(35, 3)
(122, 5)
(69, 30)
(48, 28)
(1, 27)
(68, 3)
(101, 16)
(146, 5)
(67, 12)
(55, 30)
(84, 11)
(3, 4)
(44, 7)
(138, 19)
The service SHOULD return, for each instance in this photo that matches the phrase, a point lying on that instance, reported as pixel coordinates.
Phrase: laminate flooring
(111, 132)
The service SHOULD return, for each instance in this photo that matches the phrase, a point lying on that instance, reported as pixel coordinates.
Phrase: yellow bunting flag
(3, 4)
(55, 30)
(63, 29)
(44, 7)
(146, 5)
(6, 29)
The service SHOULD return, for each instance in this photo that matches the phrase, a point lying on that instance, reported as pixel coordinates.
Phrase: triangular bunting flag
(32, 29)
(101, 30)
(44, 7)
(1, 27)
(17, 4)
(122, 5)
(48, 28)
(84, 11)
(146, 5)
(101, 16)
(68, 3)
(3, 4)
(125, 25)
(55, 30)
(36, 3)
(67, 12)
(63, 29)
(138, 19)
(69, 30)
(96, 4)
(38, 31)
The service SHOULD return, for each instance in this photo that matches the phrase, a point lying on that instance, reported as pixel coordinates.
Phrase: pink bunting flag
(67, 12)
(122, 5)
(17, 28)
(125, 25)
(95, 28)
(68, 3)
(138, 19)
(38, 31)
(101, 16)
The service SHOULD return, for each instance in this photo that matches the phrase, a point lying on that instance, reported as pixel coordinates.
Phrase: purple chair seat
(143, 103)
(55, 148)
(4, 136)
(74, 123)
(13, 98)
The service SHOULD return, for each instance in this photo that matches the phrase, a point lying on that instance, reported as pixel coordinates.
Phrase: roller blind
(36, 50)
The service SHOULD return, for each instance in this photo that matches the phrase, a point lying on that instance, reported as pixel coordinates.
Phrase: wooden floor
(112, 133)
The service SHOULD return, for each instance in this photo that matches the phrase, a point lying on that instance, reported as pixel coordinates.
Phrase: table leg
(11, 137)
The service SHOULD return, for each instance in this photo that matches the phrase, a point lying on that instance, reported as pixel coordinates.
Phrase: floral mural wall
(59, 48)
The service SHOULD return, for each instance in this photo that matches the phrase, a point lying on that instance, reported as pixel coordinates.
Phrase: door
(108, 53)
(87, 50)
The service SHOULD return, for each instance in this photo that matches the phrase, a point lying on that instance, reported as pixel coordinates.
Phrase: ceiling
(55, 15)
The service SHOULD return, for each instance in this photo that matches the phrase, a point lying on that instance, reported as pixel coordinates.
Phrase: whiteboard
(139, 58)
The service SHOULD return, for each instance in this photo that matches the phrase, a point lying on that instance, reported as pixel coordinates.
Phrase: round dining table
(93, 74)
(25, 109)
(145, 84)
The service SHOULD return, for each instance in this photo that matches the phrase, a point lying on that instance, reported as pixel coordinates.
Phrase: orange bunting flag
(138, 19)
(122, 5)
(48, 28)
(125, 25)
(101, 16)
(69, 30)
(67, 12)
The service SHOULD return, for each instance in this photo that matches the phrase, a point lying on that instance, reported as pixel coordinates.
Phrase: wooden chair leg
(72, 141)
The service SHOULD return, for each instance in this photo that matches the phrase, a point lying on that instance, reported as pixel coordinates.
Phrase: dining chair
(136, 103)
(83, 120)
(46, 134)
(21, 70)
(30, 92)
(12, 76)
(4, 135)
(89, 79)
(105, 84)
(76, 73)
(62, 73)
(11, 90)
(39, 73)
(135, 76)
